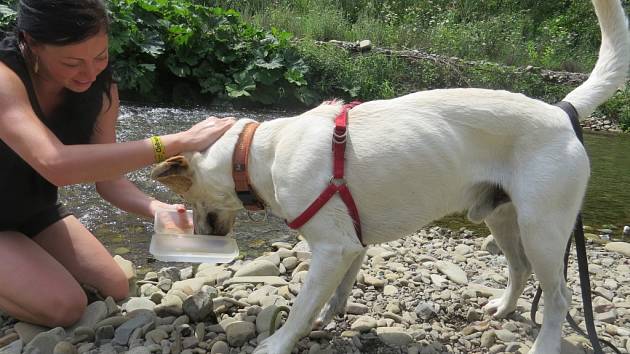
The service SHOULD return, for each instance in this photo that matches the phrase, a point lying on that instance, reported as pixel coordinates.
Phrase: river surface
(607, 203)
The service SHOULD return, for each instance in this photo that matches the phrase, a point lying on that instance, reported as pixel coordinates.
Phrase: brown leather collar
(244, 190)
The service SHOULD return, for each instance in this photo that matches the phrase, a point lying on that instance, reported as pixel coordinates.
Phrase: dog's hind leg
(544, 241)
(337, 303)
(332, 257)
(504, 227)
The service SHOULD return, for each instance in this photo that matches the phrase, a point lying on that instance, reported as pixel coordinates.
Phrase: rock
(171, 305)
(45, 342)
(239, 332)
(619, 247)
(199, 307)
(626, 230)
(130, 272)
(354, 308)
(94, 313)
(365, 45)
(220, 347)
(28, 331)
(425, 310)
(193, 285)
(103, 334)
(83, 334)
(124, 331)
(380, 252)
(269, 280)
(14, 347)
(363, 324)
(259, 267)
(136, 303)
(452, 272)
(374, 281)
(390, 290)
(64, 347)
(263, 320)
(393, 336)
(290, 262)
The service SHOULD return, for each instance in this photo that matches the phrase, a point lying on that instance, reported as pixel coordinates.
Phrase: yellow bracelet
(158, 149)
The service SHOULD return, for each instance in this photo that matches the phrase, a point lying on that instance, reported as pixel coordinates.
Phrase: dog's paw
(325, 316)
(498, 308)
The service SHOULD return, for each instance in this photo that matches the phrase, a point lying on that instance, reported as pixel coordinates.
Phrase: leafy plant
(209, 49)
(7, 18)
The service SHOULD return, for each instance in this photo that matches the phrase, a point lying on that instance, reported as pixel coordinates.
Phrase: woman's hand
(179, 223)
(203, 134)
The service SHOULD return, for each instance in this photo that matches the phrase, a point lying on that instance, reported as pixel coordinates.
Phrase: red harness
(337, 181)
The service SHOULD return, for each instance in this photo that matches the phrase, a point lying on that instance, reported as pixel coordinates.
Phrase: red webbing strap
(337, 182)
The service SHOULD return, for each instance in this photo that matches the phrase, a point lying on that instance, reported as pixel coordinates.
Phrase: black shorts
(37, 223)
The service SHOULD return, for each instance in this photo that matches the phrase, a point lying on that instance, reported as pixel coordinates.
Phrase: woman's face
(73, 66)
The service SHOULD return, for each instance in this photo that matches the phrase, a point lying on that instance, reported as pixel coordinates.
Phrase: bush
(190, 48)
(7, 18)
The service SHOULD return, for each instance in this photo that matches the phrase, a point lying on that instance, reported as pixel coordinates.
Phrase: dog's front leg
(329, 265)
(337, 303)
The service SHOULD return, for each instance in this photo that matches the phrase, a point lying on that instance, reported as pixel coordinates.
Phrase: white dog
(411, 160)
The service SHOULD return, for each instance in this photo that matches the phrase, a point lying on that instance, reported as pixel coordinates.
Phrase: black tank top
(23, 191)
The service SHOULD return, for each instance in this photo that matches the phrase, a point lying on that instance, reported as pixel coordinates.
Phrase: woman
(58, 111)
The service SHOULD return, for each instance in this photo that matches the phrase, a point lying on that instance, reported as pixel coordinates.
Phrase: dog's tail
(611, 69)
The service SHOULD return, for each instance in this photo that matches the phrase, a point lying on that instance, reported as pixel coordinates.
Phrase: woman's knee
(64, 308)
(117, 286)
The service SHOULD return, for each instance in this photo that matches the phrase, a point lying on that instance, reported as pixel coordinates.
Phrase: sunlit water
(607, 203)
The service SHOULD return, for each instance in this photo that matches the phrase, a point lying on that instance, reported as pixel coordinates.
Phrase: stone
(619, 247)
(268, 280)
(130, 272)
(45, 342)
(220, 347)
(171, 305)
(136, 303)
(393, 336)
(239, 332)
(452, 272)
(14, 347)
(124, 331)
(28, 331)
(259, 267)
(353, 308)
(199, 307)
(94, 313)
(263, 320)
(64, 347)
(363, 324)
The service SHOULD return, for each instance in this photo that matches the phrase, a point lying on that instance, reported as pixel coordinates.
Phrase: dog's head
(205, 183)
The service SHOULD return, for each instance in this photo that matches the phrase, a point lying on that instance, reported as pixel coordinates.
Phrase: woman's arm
(120, 191)
(63, 164)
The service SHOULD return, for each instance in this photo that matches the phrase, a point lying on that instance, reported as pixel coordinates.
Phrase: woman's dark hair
(61, 22)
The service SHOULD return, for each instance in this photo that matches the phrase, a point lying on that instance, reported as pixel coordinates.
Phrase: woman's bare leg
(89, 262)
(35, 287)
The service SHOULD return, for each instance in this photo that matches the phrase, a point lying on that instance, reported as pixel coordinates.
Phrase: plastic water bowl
(174, 241)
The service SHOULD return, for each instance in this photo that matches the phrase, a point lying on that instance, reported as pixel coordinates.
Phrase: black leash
(580, 249)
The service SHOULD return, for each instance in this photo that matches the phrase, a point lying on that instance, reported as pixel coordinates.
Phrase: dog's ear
(174, 173)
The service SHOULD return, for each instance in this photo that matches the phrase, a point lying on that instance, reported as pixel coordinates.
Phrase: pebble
(421, 294)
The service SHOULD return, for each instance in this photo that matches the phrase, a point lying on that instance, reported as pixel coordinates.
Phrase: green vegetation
(191, 51)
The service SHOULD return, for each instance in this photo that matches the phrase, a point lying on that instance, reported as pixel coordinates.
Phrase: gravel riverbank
(420, 294)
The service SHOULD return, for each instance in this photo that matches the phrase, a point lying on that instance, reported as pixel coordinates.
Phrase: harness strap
(337, 182)
(580, 249)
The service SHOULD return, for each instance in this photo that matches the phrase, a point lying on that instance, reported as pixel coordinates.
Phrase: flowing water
(607, 203)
